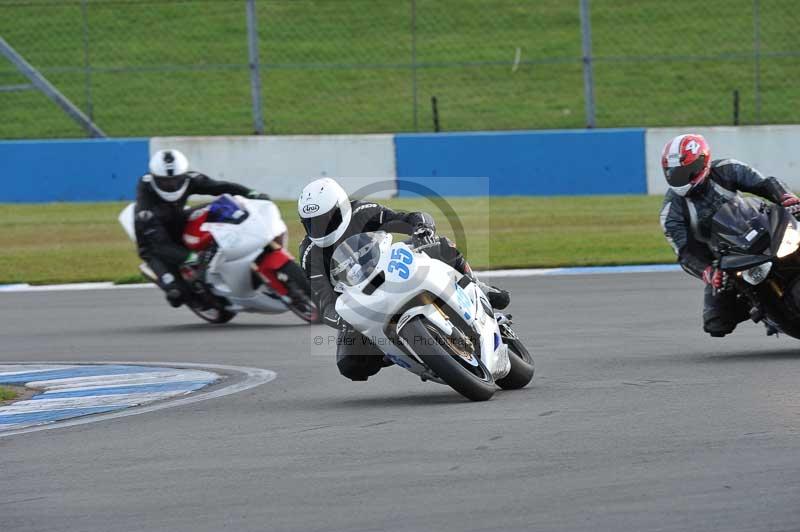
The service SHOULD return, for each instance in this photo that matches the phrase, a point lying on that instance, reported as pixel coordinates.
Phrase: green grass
(344, 66)
(7, 394)
(70, 242)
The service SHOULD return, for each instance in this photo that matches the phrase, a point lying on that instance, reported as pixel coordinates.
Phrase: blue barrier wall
(568, 162)
(71, 170)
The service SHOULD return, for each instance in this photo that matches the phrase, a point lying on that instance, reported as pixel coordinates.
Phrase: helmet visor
(324, 224)
(170, 183)
(679, 176)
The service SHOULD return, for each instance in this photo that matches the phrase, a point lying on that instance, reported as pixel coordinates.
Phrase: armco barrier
(71, 170)
(609, 161)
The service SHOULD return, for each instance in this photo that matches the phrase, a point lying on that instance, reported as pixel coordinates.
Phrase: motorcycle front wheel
(522, 367)
(453, 363)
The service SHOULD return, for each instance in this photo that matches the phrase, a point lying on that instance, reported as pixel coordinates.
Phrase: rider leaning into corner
(329, 218)
(698, 187)
(160, 217)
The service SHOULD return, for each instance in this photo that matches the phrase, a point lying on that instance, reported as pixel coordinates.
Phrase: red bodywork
(193, 236)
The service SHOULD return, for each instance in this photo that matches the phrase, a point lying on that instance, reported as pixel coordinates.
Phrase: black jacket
(159, 224)
(687, 221)
(366, 217)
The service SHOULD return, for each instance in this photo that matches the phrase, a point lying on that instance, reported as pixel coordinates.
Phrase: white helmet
(168, 170)
(325, 211)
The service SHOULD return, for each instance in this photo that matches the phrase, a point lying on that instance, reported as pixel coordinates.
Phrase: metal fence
(226, 67)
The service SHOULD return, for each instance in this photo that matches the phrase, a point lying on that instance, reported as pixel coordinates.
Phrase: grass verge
(75, 242)
(7, 394)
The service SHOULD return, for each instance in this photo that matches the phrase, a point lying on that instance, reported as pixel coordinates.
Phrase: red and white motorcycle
(232, 233)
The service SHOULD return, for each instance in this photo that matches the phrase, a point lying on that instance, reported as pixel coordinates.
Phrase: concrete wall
(70, 170)
(281, 166)
(541, 163)
(773, 150)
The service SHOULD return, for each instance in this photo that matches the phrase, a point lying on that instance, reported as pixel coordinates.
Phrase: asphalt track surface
(635, 421)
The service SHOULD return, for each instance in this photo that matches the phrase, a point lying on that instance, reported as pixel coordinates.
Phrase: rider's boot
(175, 296)
(498, 298)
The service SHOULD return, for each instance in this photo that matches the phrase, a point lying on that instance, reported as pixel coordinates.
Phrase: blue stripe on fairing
(119, 390)
(71, 373)
(55, 415)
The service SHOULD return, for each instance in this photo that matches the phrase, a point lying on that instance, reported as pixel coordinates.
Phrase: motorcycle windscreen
(740, 226)
(355, 259)
(225, 210)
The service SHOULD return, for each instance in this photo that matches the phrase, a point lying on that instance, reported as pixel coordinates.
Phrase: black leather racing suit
(687, 226)
(356, 357)
(159, 224)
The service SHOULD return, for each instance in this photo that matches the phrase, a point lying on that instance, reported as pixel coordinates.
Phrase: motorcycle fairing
(742, 262)
(239, 240)
(740, 227)
(747, 233)
(367, 310)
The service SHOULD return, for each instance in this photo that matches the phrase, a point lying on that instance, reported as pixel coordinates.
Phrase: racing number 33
(401, 258)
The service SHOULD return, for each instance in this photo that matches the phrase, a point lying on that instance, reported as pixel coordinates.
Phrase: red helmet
(686, 161)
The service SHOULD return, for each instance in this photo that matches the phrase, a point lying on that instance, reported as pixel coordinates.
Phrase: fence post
(414, 61)
(435, 111)
(757, 53)
(255, 67)
(87, 66)
(588, 80)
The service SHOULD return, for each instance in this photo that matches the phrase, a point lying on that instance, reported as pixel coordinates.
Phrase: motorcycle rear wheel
(213, 314)
(462, 371)
(210, 308)
(302, 303)
(305, 309)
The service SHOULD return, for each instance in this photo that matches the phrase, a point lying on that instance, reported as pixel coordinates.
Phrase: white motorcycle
(426, 317)
(235, 230)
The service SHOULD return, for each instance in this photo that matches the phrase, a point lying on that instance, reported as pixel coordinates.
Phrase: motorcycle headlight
(757, 274)
(790, 243)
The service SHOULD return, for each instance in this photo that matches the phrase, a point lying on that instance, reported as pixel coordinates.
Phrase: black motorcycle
(756, 246)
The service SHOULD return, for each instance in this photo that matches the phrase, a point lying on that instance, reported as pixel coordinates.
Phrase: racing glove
(714, 277)
(256, 195)
(424, 234)
(791, 203)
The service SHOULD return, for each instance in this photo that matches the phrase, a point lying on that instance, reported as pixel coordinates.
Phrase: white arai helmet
(168, 171)
(325, 211)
